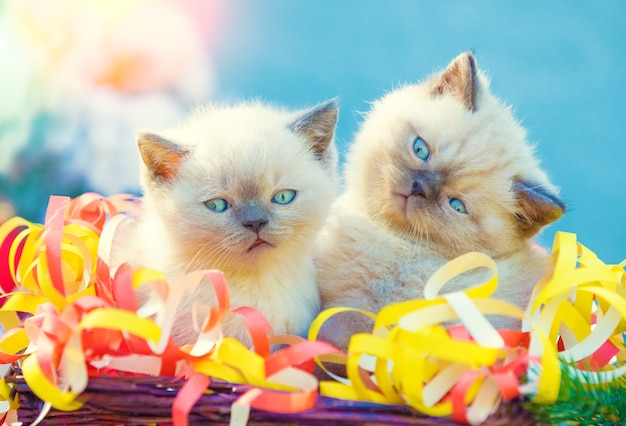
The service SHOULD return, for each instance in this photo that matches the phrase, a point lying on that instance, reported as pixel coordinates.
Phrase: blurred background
(78, 78)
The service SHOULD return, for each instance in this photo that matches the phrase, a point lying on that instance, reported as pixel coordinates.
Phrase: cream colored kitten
(437, 169)
(242, 189)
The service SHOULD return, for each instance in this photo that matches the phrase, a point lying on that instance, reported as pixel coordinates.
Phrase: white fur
(242, 153)
(375, 250)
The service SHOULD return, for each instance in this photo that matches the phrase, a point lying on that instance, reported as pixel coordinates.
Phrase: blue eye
(217, 205)
(420, 148)
(284, 197)
(457, 205)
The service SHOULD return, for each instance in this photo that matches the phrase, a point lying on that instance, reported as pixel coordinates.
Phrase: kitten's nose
(252, 216)
(255, 225)
(425, 185)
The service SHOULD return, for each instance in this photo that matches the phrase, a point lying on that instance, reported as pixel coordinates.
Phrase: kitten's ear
(161, 156)
(318, 126)
(537, 206)
(460, 79)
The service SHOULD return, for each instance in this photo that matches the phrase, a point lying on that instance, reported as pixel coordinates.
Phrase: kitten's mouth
(402, 200)
(258, 244)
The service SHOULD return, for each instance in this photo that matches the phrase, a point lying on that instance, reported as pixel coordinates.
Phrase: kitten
(243, 189)
(438, 169)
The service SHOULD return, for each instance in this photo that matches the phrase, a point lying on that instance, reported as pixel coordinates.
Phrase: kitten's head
(445, 164)
(241, 188)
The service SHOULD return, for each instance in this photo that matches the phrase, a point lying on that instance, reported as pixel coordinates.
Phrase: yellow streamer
(581, 288)
(577, 314)
(417, 361)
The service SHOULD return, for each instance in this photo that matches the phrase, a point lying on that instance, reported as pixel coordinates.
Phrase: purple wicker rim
(139, 400)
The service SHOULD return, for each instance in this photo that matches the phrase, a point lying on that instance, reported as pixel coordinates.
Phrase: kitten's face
(447, 166)
(252, 187)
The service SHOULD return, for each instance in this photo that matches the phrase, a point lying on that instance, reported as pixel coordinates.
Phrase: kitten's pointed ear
(318, 126)
(460, 79)
(537, 206)
(161, 156)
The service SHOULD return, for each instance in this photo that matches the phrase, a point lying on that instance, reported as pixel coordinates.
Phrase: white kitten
(242, 189)
(437, 169)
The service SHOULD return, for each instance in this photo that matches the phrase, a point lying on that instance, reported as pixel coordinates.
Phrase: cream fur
(244, 154)
(379, 248)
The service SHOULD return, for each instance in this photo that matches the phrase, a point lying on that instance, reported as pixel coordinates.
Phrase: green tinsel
(579, 403)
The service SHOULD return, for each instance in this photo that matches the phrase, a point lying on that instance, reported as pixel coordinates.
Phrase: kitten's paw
(340, 328)
(338, 331)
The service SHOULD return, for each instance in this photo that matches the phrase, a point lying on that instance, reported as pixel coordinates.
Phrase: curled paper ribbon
(80, 323)
(57, 259)
(67, 318)
(578, 317)
(410, 358)
(95, 210)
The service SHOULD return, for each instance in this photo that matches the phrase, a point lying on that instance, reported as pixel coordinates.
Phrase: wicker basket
(136, 400)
